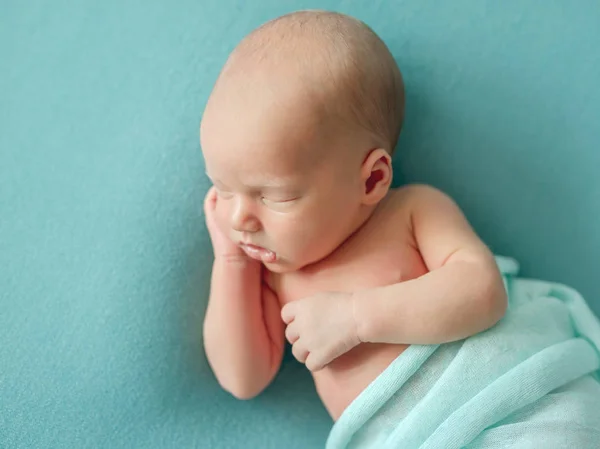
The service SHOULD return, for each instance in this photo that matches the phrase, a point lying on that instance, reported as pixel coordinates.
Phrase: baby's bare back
(382, 252)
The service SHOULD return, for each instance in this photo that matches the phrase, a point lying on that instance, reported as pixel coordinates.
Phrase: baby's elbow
(243, 394)
(247, 386)
(500, 305)
(495, 299)
(243, 391)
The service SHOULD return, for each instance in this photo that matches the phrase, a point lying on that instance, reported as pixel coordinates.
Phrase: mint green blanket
(532, 381)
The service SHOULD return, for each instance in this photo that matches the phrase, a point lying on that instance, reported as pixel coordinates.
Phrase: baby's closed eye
(279, 201)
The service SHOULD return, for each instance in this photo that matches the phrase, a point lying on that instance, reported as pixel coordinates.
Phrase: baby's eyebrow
(274, 186)
(259, 185)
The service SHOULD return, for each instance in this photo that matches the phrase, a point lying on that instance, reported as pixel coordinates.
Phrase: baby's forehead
(265, 122)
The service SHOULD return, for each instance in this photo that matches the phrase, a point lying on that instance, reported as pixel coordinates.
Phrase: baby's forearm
(242, 350)
(453, 302)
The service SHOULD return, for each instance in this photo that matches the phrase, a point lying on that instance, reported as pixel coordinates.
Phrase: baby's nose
(243, 219)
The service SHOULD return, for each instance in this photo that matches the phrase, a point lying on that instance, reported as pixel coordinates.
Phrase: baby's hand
(223, 246)
(321, 328)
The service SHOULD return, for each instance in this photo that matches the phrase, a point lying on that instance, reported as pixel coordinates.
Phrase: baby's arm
(462, 294)
(243, 331)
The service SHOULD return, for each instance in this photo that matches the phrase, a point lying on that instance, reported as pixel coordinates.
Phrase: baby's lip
(258, 252)
(252, 245)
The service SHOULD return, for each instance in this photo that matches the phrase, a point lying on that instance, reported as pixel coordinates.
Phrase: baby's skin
(311, 244)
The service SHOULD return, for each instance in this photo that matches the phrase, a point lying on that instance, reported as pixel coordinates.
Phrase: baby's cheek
(305, 237)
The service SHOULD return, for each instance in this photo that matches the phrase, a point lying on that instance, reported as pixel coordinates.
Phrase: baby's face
(284, 193)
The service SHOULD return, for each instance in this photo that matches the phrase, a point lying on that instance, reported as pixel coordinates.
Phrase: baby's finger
(288, 313)
(315, 362)
(210, 200)
(299, 351)
(291, 333)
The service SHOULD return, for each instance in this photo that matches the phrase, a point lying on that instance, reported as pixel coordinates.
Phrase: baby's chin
(280, 267)
(283, 265)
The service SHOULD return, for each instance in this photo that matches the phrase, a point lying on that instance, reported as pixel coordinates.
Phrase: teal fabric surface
(532, 381)
(104, 257)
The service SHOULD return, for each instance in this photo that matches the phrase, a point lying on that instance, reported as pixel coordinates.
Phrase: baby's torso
(381, 253)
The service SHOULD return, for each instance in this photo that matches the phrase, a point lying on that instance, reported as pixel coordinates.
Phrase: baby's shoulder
(410, 193)
(393, 218)
(404, 200)
(408, 206)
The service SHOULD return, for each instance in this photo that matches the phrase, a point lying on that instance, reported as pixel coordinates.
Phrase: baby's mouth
(258, 252)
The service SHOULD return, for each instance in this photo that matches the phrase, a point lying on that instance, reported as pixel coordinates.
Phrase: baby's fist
(321, 327)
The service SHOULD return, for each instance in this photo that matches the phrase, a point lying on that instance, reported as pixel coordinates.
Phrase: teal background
(104, 258)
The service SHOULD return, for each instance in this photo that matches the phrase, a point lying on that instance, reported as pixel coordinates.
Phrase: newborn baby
(311, 244)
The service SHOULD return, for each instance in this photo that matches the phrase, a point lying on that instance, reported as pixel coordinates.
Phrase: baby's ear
(376, 175)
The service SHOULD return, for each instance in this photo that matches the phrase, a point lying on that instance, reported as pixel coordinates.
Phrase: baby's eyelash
(278, 201)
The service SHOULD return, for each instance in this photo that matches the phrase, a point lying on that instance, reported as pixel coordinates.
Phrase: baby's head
(298, 135)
